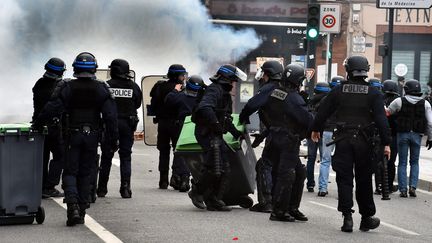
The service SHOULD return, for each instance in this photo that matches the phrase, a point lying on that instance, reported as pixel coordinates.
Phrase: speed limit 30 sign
(330, 16)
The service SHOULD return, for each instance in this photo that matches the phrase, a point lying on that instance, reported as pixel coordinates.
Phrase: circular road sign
(329, 21)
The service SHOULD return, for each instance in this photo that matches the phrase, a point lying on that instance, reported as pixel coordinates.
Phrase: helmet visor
(240, 75)
(259, 75)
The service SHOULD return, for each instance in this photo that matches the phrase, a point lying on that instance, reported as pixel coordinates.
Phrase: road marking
(140, 154)
(409, 232)
(94, 226)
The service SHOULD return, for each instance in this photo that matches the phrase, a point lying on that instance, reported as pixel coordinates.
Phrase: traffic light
(313, 18)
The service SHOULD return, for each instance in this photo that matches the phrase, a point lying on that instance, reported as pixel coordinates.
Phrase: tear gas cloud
(150, 34)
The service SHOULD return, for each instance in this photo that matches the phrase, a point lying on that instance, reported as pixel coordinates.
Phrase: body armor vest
(412, 117)
(273, 111)
(354, 107)
(84, 108)
(122, 90)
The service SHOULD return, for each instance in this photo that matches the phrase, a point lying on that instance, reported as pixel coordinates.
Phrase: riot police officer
(391, 92)
(288, 120)
(166, 117)
(356, 106)
(42, 92)
(375, 82)
(269, 76)
(128, 98)
(184, 101)
(83, 100)
(213, 118)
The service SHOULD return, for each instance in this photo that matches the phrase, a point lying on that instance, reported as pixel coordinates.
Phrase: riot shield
(104, 74)
(150, 128)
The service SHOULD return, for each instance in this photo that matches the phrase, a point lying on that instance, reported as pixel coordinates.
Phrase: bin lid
(15, 127)
(187, 141)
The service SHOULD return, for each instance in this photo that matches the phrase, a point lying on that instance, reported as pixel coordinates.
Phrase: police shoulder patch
(279, 94)
(355, 89)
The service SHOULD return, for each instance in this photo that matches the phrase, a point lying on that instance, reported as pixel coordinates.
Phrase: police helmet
(85, 65)
(175, 71)
(227, 74)
(322, 87)
(272, 68)
(357, 66)
(55, 68)
(336, 80)
(375, 82)
(390, 87)
(412, 87)
(293, 75)
(120, 68)
(194, 84)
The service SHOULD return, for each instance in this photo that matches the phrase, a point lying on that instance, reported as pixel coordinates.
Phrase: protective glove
(237, 134)
(429, 144)
(258, 140)
(243, 119)
(36, 126)
(217, 128)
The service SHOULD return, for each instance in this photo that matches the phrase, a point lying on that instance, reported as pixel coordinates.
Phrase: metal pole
(311, 60)
(328, 69)
(390, 44)
(330, 57)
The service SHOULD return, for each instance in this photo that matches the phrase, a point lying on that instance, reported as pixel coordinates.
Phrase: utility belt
(85, 129)
(133, 120)
(346, 131)
(284, 130)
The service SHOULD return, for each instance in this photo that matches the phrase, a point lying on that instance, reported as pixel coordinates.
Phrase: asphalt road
(154, 215)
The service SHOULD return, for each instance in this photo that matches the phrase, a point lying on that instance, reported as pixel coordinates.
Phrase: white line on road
(409, 232)
(94, 226)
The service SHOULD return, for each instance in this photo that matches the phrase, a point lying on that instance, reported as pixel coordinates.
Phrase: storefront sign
(264, 9)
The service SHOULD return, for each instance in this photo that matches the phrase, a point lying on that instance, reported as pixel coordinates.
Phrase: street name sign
(419, 4)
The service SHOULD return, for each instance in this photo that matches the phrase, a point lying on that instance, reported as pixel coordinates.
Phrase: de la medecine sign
(423, 4)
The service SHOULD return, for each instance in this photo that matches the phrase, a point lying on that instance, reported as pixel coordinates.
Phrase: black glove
(36, 126)
(258, 140)
(237, 134)
(217, 128)
(429, 144)
(243, 119)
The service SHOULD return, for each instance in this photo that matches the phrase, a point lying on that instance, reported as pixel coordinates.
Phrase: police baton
(385, 186)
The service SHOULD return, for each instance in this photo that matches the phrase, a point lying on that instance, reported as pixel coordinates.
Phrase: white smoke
(150, 34)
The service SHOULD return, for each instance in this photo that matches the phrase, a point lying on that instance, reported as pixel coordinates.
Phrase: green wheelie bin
(21, 159)
(241, 158)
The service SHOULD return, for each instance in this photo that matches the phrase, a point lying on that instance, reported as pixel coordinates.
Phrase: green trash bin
(242, 161)
(21, 165)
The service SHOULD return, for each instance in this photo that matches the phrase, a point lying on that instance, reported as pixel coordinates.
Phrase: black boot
(184, 184)
(73, 216)
(163, 180)
(125, 190)
(82, 213)
(369, 223)
(412, 192)
(175, 181)
(298, 215)
(347, 223)
(102, 189)
(281, 216)
(196, 197)
(262, 208)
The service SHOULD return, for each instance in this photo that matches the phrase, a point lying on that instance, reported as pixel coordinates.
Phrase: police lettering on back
(122, 93)
(355, 89)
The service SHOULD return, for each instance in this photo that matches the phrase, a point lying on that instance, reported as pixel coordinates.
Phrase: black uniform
(184, 105)
(128, 98)
(168, 124)
(83, 100)
(52, 170)
(288, 119)
(264, 165)
(356, 106)
(213, 119)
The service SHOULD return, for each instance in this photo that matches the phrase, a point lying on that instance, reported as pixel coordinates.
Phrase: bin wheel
(40, 215)
(246, 202)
